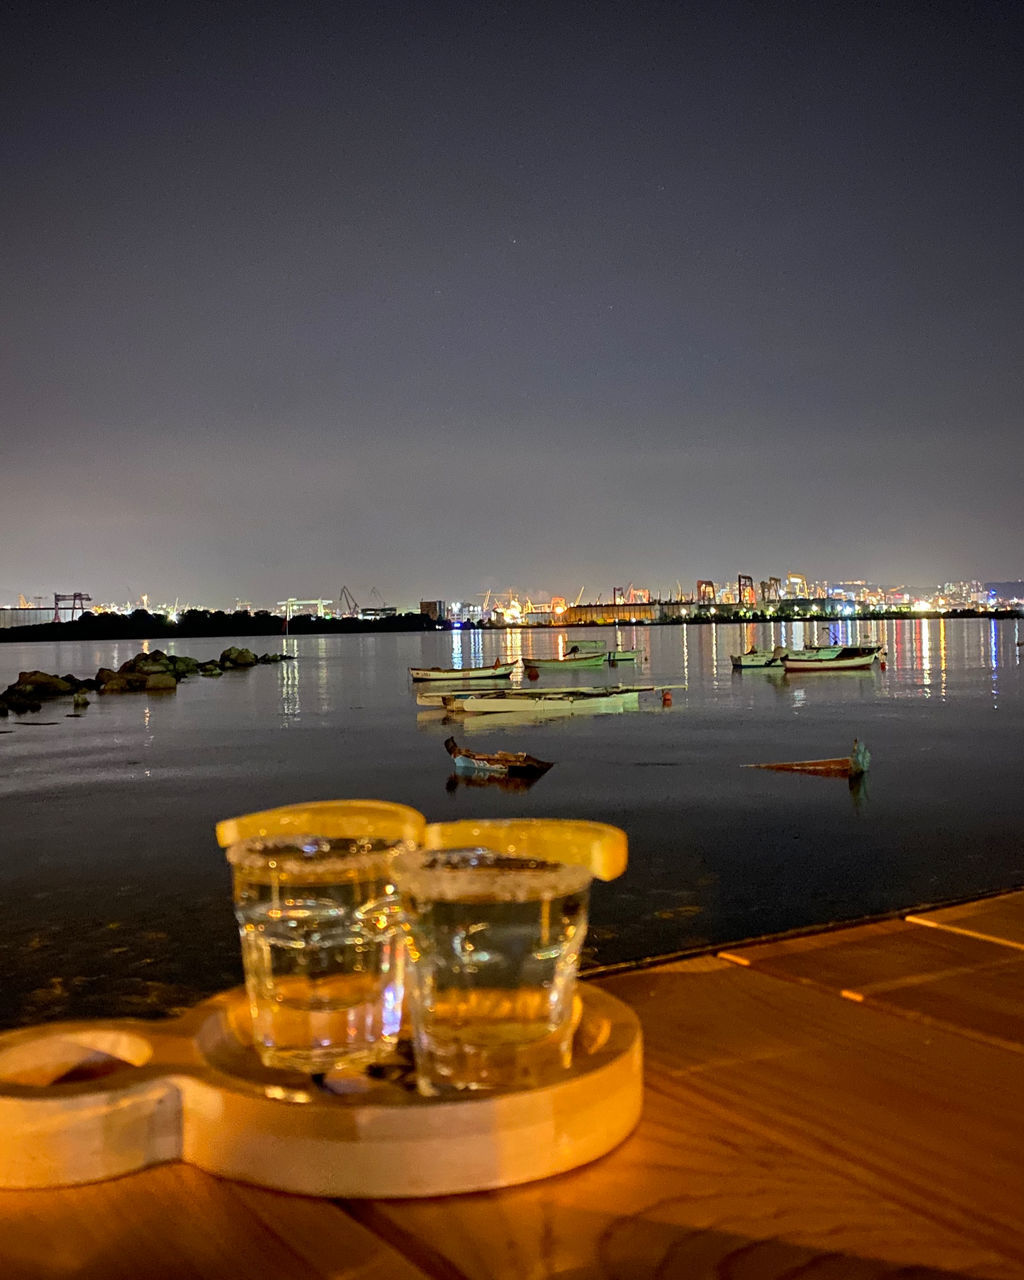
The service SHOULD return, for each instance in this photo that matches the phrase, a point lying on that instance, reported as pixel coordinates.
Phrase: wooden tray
(85, 1101)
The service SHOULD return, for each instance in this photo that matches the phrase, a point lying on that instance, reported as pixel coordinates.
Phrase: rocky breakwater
(155, 672)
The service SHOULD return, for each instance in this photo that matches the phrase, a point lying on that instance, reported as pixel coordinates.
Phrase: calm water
(117, 898)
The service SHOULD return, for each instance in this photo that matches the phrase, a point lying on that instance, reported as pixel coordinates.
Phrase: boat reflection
(498, 783)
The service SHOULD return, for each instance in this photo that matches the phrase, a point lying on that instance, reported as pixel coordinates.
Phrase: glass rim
(309, 853)
(506, 876)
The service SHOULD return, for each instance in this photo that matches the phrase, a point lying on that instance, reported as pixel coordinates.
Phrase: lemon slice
(596, 845)
(333, 819)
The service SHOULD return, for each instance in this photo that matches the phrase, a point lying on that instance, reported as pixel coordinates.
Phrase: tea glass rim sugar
(494, 940)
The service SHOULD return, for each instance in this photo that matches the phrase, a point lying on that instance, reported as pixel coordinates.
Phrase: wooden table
(837, 1106)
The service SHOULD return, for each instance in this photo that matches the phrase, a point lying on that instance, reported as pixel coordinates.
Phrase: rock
(210, 673)
(270, 657)
(102, 676)
(233, 658)
(148, 664)
(160, 681)
(126, 682)
(19, 703)
(39, 684)
(183, 666)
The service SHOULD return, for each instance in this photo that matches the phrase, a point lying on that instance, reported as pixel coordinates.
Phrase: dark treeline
(143, 625)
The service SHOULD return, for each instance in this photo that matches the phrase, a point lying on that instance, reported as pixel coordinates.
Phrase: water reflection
(288, 683)
(457, 780)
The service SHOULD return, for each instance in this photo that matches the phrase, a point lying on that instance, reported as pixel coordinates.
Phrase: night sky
(432, 298)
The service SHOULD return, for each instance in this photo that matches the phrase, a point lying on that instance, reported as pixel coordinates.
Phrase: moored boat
(543, 703)
(497, 670)
(573, 658)
(755, 658)
(832, 657)
(623, 655)
(497, 763)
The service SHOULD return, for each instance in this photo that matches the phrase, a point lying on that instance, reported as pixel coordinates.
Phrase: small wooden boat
(497, 670)
(513, 693)
(497, 763)
(543, 703)
(573, 658)
(624, 655)
(832, 657)
(851, 766)
(757, 658)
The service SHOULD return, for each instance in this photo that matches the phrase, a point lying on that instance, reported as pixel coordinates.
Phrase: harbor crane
(347, 606)
(77, 598)
(706, 593)
(745, 589)
(771, 590)
(291, 607)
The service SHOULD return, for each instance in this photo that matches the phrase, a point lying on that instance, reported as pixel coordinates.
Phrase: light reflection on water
(118, 898)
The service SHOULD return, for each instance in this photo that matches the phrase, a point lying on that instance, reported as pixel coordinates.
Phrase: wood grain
(952, 979)
(785, 1133)
(1001, 919)
(176, 1223)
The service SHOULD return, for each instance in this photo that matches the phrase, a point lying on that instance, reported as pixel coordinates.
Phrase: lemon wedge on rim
(333, 819)
(596, 845)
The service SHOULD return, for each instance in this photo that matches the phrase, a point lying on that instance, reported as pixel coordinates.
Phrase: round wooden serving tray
(85, 1101)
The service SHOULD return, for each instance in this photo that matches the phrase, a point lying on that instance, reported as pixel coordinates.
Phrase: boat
(832, 657)
(851, 766)
(758, 658)
(573, 658)
(623, 655)
(543, 703)
(497, 763)
(497, 670)
(514, 693)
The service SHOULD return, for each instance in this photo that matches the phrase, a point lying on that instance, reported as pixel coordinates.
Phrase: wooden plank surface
(176, 1223)
(952, 979)
(785, 1132)
(1000, 919)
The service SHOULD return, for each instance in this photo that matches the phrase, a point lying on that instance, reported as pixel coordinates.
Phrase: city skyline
(490, 602)
(415, 298)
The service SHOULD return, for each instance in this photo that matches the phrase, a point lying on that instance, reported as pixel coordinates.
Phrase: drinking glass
(317, 915)
(494, 941)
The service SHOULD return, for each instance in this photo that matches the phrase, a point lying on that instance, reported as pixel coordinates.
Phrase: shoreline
(157, 627)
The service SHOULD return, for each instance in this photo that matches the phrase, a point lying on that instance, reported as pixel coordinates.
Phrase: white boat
(832, 657)
(543, 703)
(496, 671)
(445, 697)
(587, 658)
(756, 658)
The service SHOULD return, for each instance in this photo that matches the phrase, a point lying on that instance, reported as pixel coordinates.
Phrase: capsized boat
(497, 763)
(497, 670)
(755, 657)
(832, 657)
(851, 766)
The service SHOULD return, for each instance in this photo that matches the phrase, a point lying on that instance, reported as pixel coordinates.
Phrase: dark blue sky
(433, 298)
